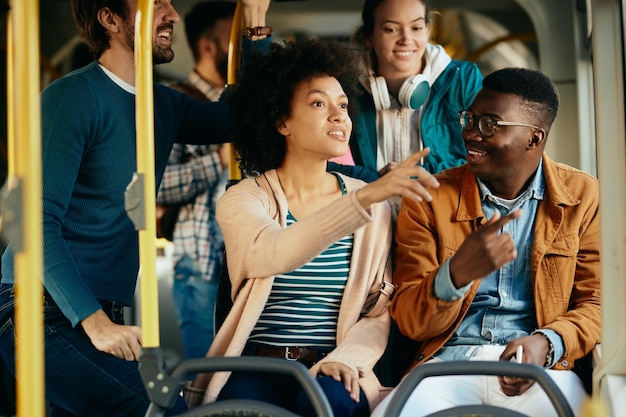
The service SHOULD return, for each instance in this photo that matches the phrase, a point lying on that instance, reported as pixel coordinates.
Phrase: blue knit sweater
(89, 156)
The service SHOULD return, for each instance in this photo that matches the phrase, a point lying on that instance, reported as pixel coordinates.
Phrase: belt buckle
(288, 355)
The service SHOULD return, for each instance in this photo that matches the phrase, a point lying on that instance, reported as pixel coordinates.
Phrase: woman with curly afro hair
(308, 250)
(265, 93)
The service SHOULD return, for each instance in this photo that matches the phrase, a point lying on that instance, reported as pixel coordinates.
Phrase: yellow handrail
(234, 62)
(10, 99)
(145, 166)
(26, 169)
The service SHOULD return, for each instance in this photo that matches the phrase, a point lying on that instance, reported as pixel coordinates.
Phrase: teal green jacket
(453, 91)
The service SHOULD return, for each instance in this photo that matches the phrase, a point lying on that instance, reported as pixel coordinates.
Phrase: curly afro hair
(262, 99)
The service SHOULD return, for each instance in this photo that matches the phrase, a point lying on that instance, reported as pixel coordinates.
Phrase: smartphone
(518, 354)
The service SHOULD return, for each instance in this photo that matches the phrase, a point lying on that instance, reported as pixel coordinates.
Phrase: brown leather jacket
(565, 260)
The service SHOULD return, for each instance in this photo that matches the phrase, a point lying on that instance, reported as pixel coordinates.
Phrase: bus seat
(238, 408)
(419, 373)
(248, 407)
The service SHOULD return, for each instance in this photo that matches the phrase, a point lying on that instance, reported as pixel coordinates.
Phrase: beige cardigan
(252, 216)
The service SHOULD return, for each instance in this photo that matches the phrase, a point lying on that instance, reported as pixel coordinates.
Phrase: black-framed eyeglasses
(486, 125)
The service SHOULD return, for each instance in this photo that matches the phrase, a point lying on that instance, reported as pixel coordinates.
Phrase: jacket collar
(558, 192)
(470, 207)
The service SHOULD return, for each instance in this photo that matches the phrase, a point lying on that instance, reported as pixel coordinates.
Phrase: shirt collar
(535, 189)
(117, 80)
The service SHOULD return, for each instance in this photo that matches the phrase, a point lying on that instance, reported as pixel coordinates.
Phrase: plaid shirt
(192, 176)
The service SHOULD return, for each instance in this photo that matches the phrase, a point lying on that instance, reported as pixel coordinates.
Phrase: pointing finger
(496, 222)
(415, 158)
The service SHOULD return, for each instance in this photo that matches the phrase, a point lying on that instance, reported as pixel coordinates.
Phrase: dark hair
(366, 29)
(201, 19)
(85, 13)
(262, 100)
(541, 98)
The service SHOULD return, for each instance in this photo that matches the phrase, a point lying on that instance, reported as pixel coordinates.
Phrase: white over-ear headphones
(413, 92)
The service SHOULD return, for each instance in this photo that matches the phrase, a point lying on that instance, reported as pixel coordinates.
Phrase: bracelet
(257, 31)
(550, 354)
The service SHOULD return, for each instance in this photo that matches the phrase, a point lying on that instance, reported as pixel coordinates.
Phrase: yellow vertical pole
(145, 165)
(10, 100)
(234, 62)
(27, 168)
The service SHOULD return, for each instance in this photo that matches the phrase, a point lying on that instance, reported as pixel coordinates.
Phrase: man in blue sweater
(91, 255)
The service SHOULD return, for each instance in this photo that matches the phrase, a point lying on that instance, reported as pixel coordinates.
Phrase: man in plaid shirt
(193, 182)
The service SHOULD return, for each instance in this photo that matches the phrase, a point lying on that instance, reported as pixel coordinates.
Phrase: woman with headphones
(414, 92)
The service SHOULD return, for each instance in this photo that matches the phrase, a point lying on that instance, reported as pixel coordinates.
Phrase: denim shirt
(503, 308)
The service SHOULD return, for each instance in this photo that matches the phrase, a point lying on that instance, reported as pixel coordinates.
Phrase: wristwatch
(257, 31)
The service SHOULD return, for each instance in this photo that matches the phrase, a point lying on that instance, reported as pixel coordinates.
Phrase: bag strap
(384, 295)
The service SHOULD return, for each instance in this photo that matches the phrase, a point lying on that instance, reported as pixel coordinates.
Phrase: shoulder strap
(384, 297)
(380, 295)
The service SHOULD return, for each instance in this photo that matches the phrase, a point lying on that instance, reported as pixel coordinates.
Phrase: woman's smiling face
(400, 37)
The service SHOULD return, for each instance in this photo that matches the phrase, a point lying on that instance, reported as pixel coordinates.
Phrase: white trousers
(443, 392)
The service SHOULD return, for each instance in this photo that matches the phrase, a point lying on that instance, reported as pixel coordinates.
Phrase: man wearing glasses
(505, 255)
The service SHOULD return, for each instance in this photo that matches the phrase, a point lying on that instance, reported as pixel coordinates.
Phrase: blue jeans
(80, 380)
(194, 300)
(285, 391)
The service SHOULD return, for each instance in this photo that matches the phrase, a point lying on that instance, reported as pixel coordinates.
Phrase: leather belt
(289, 353)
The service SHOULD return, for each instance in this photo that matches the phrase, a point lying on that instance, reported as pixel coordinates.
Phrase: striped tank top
(303, 305)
